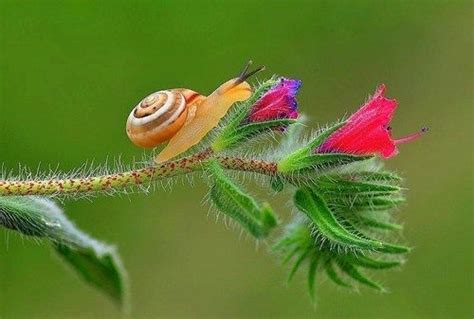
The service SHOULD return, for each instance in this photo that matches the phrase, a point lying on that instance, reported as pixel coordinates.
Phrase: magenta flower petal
(367, 131)
(277, 103)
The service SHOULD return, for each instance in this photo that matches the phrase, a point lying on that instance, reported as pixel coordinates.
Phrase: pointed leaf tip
(100, 266)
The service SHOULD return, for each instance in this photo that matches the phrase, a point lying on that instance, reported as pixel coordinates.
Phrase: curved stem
(136, 177)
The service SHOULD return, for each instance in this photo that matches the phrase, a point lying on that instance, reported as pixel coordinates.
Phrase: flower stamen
(411, 137)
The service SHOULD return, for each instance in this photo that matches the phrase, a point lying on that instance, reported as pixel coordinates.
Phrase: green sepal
(323, 135)
(247, 131)
(231, 200)
(323, 160)
(310, 203)
(306, 157)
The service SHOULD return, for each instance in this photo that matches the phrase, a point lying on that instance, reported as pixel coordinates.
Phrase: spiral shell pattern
(157, 118)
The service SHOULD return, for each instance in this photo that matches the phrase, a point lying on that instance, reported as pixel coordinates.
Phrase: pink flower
(368, 131)
(277, 103)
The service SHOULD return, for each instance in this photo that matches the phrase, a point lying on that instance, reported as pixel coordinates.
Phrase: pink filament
(410, 137)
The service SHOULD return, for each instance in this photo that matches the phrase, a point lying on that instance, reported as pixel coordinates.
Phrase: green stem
(136, 177)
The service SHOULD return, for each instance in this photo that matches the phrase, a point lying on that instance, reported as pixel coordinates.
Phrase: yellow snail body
(183, 117)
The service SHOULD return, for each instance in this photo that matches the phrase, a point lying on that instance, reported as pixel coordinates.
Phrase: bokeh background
(71, 71)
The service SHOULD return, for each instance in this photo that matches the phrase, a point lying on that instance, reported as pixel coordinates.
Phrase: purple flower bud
(277, 103)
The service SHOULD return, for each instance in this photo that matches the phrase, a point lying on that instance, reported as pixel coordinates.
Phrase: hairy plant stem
(116, 181)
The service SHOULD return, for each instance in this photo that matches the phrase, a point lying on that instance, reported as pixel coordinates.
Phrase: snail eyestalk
(246, 68)
(244, 75)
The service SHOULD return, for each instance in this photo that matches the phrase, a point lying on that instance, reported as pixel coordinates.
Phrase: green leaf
(298, 263)
(96, 262)
(315, 208)
(236, 203)
(332, 274)
(335, 184)
(290, 254)
(313, 267)
(393, 249)
(100, 266)
(377, 176)
(277, 184)
(315, 161)
(365, 202)
(355, 274)
(368, 262)
(267, 215)
(250, 129)
(374, 223)
(301, 158)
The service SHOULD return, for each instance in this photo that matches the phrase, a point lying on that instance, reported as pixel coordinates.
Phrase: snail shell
(160, 115)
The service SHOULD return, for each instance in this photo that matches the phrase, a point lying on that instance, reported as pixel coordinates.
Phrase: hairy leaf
(316, 209)
(236, 203)
(96, 262)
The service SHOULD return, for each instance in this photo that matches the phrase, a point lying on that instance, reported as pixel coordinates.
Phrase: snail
(183, 117)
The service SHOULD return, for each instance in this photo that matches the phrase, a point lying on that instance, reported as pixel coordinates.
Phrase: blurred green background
(71, 71)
